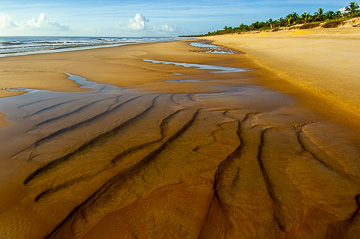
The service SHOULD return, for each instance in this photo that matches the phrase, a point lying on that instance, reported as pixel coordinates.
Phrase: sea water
(21, 45)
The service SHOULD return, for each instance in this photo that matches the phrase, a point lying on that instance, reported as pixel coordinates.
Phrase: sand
(218, 156)
(3, 122)
(121, 66)
(319, 62)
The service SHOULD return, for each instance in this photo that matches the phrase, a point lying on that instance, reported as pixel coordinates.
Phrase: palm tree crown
(353, 7)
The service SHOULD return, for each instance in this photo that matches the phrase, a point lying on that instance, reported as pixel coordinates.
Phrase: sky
(137, 18)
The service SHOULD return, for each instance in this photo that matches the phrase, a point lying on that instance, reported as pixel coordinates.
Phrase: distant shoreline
(33, 45)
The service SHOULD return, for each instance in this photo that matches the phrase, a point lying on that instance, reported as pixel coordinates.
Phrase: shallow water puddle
(203, 45)
(220, 52)
(215, 69)
(188, 80)
(211, 48)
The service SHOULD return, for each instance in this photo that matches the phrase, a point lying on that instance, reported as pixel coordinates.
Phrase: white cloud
(43, 23)
(342, 10)
(32, 25)
(40, 22)
(138, 23)
(5, 21)
(167, 28)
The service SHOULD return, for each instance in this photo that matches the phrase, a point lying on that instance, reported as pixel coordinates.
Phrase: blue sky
(143, 18)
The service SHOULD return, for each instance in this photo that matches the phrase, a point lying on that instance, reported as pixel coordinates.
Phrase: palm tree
(329, 15)
(292, 18)
(244, 27)
(352, 8)
(303, 17)
(282, 21)
(338, 14)
(306, 17)
(320, 11)
(270, 21)
(319, 14)
(255, 26)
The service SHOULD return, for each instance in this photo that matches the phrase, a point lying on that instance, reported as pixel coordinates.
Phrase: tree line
(320, 16)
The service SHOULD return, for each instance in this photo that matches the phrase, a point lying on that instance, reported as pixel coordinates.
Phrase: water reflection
(214, 68)
(211, 48)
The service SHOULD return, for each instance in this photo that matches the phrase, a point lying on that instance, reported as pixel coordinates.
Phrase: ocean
(13, 46)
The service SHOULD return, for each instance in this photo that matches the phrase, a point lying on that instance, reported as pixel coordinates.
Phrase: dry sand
(218, 157)
(321, 63)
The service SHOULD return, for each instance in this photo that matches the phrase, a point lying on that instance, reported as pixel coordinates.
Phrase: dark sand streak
(122, 176)
(78, 110)
(270, 186)
(58, 161)
(300, 135)
(74, 126)
(162, 128)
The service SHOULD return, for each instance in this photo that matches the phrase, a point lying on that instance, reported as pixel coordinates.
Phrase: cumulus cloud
(5, 21)
(342, 10)
(40, 23)
(167, 28)
(138, 23)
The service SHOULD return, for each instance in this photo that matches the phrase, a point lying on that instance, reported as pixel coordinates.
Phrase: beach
(317, 62)
(172, 140)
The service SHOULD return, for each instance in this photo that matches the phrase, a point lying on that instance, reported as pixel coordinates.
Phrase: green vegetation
(292, 19)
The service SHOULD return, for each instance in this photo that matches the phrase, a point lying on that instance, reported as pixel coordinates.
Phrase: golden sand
(217, 157)
(3, 122)
(319, 62)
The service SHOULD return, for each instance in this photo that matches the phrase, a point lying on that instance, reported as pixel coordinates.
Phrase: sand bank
(195, 154)
(319, 62)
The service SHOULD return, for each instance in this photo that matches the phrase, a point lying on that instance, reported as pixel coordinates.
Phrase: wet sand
(160, 148)
(3, 122)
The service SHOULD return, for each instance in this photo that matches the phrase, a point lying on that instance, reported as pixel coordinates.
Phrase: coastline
(297, 62)
(318, 65)
(111, 65)
(24, 45)
(168, 139)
